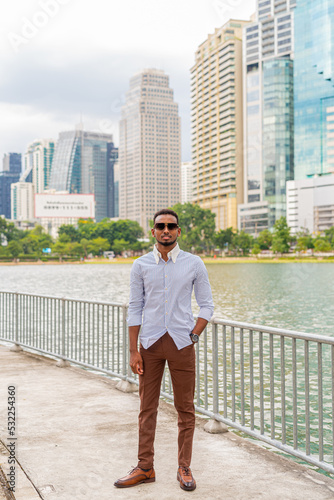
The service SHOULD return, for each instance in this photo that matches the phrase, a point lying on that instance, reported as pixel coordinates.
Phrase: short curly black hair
(166, 211)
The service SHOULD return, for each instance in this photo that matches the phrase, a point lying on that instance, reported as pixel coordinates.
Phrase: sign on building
(64, 205)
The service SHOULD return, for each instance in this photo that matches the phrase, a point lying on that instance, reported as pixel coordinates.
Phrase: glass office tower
(268, 115)
(277, 147)
(314, 88)
(80, 165)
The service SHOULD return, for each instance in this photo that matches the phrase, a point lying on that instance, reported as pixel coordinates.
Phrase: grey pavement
(76, 434)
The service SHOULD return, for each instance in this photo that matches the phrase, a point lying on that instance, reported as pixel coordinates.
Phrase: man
(161, 285)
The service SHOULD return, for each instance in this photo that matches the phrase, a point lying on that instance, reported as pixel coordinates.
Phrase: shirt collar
(171, 255)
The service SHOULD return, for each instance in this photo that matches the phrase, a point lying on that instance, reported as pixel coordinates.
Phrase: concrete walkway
(77, 434)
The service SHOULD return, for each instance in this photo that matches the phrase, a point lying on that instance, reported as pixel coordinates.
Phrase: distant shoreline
(206, 260)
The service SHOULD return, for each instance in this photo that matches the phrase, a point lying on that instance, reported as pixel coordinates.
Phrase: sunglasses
(170, 225)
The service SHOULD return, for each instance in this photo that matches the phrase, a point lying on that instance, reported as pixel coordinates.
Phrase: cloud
(55, 95)
(81, 59)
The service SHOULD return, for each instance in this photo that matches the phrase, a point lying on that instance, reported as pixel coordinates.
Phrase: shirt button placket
(166, 288)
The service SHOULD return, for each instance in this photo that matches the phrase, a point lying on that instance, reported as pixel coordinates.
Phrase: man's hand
(136, 362)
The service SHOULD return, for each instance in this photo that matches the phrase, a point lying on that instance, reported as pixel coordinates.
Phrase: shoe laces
(133, 469)
(186, 470)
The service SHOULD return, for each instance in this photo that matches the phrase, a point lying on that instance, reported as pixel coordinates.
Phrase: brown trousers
(181, 365)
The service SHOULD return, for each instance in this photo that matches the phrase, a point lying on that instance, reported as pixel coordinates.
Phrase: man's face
(166, 237)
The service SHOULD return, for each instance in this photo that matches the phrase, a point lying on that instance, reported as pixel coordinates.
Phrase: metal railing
(274, 385)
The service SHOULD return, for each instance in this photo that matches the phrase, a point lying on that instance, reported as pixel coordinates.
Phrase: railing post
(125, 385)
(16, 346)
(214, 426)
(62, 361)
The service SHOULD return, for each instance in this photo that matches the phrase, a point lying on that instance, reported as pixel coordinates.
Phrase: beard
(167, 243)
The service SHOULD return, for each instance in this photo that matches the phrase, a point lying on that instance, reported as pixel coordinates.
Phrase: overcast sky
(60, 59)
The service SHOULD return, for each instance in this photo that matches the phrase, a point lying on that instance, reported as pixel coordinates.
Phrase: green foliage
(98, 246)
(281, 237)
(256, 249)
(322, 245)
(120, 246)
(8, 231)
(304, 240)
(265, 239)
(60, 249)
(70, 231)
(223, 238)
(197, 227)
(14, 248)
(242, 241)
(329, 235)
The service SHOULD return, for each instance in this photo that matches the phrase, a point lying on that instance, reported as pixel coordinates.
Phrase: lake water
(292, 296)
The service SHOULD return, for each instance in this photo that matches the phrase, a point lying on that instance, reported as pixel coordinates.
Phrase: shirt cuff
(205, 313)
(134, 320)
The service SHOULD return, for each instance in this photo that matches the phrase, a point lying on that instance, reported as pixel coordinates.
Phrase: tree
(8, 231)
(75, 249)
(14, 248)
(281, 237)
(242, 241)
(265, 239)
(70, 231)
(98, 246)
(329, 235)
(256, 249)
(197, 227)
(223, 238)
(304, 240)
(85, 243)
(322, 245)
(60, 249)
(278, 245)
(120, 246)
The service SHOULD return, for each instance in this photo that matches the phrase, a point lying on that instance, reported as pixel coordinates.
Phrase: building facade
(112, 181)
(150, 148)
(37, 163)
(12, 162)
(80, 166)
(9, 175)
(187, 181)
(268, 48)
(310, 204)
(22, 201)
(217, 123)
(314, 88)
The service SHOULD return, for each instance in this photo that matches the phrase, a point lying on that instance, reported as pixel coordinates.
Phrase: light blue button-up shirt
(160, 295)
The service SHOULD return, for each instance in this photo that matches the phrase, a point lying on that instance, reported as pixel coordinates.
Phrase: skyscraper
(314, 88)
(9, 175)
(112, 193)
(80, 165)
(217, 129)
(22, 201)
(38, 160)
(12, 162)
(268, 114)
(150, 149)
(187, 181)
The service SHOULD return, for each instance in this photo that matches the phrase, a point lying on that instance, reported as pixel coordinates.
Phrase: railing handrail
(274, 384)
(324, 339)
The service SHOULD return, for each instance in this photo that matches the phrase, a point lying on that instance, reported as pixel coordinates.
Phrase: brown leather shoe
(134, 477)
(184, 475)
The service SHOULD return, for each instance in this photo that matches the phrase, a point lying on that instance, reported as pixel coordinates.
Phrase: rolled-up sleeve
(136, 302)
(203, 292)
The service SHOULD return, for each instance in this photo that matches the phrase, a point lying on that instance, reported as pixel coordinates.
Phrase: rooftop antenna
(80, 125)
